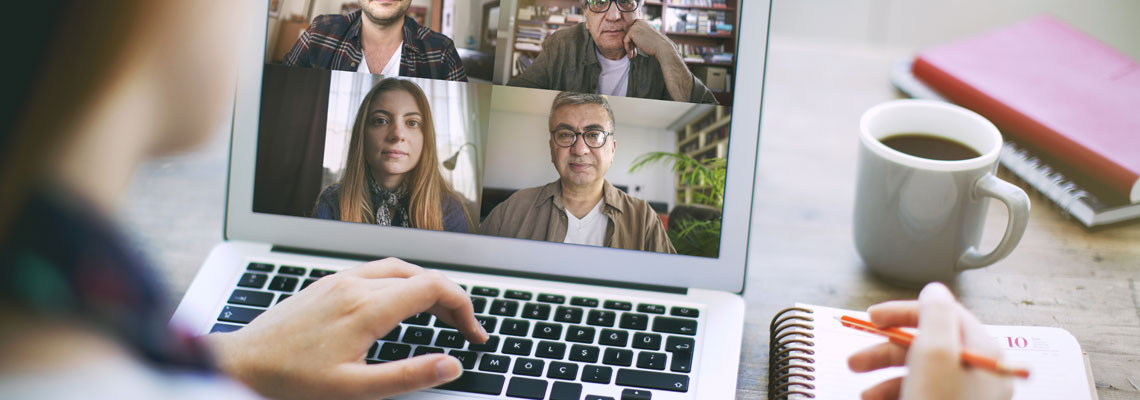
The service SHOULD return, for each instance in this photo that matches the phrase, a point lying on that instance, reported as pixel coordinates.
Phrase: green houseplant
(699, 236)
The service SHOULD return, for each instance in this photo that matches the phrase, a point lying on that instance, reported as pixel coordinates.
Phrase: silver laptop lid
(295, 120)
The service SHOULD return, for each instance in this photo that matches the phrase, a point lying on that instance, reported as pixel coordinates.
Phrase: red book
(1067, 96)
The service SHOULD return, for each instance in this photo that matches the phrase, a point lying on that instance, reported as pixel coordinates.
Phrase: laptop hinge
(490, 271)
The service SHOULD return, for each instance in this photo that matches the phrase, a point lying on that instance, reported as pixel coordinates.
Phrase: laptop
(566, 320)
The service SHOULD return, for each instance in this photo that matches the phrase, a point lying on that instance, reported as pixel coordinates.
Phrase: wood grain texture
(801, 245)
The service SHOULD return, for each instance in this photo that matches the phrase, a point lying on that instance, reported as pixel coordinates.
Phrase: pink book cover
(1053, 88)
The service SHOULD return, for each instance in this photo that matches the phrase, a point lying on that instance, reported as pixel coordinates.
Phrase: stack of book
(530, 35)
(699, 21)
(708, 54)
(701, 3)
(1068, 106)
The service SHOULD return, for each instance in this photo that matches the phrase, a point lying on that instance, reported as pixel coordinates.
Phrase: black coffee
(929, 146)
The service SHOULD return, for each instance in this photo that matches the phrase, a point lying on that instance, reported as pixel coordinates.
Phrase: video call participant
(378, 39)
(614, 53)
(391, 173)
(581, 207)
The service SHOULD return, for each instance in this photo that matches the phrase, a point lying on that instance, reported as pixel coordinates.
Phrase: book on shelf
(700, 3)
(1070, 196)
(699, 22)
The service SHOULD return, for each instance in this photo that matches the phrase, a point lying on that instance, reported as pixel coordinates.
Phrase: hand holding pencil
(936, 370)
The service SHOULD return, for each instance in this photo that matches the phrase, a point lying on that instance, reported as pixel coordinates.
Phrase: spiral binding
(790, 355)
(1041, 176)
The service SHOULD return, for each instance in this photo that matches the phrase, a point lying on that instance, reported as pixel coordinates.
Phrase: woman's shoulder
(454, 216)
(328, 203)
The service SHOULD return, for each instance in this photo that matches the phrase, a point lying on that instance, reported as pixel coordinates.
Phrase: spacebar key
(476, 382)
(652, 380)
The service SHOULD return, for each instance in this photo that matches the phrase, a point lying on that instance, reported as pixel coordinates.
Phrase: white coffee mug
(917, 219)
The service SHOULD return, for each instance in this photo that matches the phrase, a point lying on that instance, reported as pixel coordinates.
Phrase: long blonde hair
(427, 187)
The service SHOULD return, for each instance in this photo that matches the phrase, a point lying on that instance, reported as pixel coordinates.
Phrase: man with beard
(581, 207)
(614, 53)
(379, 39)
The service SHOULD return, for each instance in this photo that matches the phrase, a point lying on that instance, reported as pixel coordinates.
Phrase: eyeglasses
(593, 138)
(601, 6)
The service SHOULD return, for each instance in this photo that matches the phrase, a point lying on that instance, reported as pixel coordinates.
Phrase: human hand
(933, 360)
(641, 35)
(313, 344)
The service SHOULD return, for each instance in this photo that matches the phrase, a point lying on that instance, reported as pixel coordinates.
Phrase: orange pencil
(898, 336)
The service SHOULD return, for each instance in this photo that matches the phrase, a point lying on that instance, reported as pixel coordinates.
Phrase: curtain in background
(290, 140)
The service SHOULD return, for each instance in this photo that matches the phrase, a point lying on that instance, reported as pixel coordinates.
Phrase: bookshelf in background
(702, 138)
(703, 31)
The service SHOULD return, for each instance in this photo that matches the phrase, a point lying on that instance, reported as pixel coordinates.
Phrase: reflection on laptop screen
(543, 127)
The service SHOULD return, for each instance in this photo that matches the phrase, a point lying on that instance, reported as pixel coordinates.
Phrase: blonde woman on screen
(391, 174)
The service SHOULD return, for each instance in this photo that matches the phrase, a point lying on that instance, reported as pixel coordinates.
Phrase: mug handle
(1017, 202)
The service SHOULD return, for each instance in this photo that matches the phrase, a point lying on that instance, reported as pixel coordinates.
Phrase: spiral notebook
(809, 350)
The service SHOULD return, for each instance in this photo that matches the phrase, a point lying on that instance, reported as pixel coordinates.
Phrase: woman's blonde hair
(427, 187)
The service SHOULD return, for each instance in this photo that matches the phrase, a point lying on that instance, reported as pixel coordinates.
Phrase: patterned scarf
(389, 205)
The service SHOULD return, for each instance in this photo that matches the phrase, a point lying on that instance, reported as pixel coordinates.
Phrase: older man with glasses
(617, 53)
(581, 207)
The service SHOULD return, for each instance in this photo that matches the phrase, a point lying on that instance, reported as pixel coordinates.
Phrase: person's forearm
(678, 78)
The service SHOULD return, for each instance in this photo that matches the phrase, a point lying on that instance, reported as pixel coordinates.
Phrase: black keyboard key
(601, 318)
(584, 353)
(283, 284)
(593, 397)
(652, 380)
(682, 362)
(679, 344)
(545, 330)
(224, 328)
(517, 346)
(651, 360)
(485, 291)
(477, 382)
(618, 305)
(636, 394)
(238, 314)
(621, 357)
(449, 338)
(613, 337)
(685, 312)
(421, 319)
(536, 311)
(566, 391)
(647, 341)
(421, 350)
(287, 270)
(487, 322)
(515, 327)
(675, 325)
(518, 295)
(583, 302)
(252, 280)
(418, 335)
(634, 321)
(553, 350)
(479, 303)
(490, 346)
(525, 388)
(495, 363)
(259, 267)
(251, 298)
(561, 370)
(528, 366)
(596, 374)
(306, 283)
(394, 351)
(392, 335)
(580, 334)
(282, 297)
(320, 273)
(651, 308)
(506, 308)
(571, 315)
(467, 358)
(551, 298)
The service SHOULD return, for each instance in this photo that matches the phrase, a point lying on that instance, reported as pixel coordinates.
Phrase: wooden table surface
(801, 251)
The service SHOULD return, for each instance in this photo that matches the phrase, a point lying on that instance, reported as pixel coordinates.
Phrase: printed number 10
(1018, 342)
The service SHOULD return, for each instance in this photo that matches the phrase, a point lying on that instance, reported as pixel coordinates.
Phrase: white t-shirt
(614, 80)
(393, 67)
(590, 230)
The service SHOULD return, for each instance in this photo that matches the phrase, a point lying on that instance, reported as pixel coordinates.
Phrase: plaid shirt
(333, 42)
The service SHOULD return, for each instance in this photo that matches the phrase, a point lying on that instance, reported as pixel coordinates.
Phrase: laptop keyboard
(543, 345)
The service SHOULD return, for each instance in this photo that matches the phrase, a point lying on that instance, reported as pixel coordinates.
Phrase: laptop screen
(588, 123)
